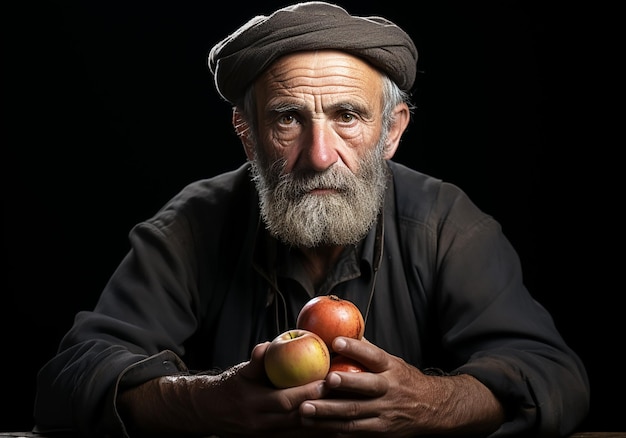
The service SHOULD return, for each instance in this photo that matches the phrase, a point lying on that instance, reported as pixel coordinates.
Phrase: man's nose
(321, 150)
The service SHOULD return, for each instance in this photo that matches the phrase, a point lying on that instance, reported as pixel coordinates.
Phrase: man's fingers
(372, 357)
(255, 368)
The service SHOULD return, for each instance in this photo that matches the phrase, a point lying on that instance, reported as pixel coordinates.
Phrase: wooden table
(575, 435)
(598, 435)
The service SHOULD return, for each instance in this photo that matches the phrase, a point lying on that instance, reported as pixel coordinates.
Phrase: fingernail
(333, 380)
(339, 344)
(307, 410)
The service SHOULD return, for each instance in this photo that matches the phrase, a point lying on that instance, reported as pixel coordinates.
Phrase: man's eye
(347, 117)
(287, 119)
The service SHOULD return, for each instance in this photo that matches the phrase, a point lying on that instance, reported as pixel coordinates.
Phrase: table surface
(575, 435)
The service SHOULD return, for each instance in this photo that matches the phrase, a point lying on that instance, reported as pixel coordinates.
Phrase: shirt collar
(273, 259)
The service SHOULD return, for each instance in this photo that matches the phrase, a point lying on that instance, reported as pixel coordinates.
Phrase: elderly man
(454, 343)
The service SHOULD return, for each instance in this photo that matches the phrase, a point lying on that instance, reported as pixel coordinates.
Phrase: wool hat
(240, 58)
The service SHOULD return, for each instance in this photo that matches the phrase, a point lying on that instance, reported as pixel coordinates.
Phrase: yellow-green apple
(330, 316)
(296, 357)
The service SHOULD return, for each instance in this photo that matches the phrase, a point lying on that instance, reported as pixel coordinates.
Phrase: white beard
(301, 219)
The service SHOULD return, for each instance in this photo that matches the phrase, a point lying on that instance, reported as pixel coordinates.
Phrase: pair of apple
(304, 354)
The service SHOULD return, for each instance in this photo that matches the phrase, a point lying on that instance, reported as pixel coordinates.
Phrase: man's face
(319, 158)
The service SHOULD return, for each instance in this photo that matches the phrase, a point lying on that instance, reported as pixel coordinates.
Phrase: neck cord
(378, 259)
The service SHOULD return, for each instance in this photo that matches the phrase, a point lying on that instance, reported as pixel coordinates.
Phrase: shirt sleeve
(496, 331)
(135, 333)
(145, 323)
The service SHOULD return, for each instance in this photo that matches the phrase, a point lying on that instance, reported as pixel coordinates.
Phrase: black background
(109, 109)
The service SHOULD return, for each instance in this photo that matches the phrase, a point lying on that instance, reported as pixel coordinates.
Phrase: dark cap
(238, 59)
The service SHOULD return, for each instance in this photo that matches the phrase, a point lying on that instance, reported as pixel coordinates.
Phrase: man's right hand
(240, 401)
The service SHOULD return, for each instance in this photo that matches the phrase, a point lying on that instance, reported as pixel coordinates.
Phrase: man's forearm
(467, 406)
(163, 406)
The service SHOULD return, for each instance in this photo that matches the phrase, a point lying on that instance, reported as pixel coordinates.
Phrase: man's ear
(401, 119)
(242, 129)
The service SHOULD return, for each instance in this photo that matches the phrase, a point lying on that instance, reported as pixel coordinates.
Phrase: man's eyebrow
(354, 107)
(346, 106)
(285, 107)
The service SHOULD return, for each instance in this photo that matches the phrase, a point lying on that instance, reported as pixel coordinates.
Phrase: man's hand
(396, 399)
(393, 399)
(240, 401)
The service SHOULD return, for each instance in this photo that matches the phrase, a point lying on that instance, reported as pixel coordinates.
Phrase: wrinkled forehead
(320, 79)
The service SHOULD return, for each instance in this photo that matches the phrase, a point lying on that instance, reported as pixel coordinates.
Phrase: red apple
(344, 363)
(330, 316)
(296, 357)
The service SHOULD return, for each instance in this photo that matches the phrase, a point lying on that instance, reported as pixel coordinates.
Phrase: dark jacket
(202, 282)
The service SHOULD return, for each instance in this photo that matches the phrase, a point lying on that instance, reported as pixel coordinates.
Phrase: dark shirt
(204, 282)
